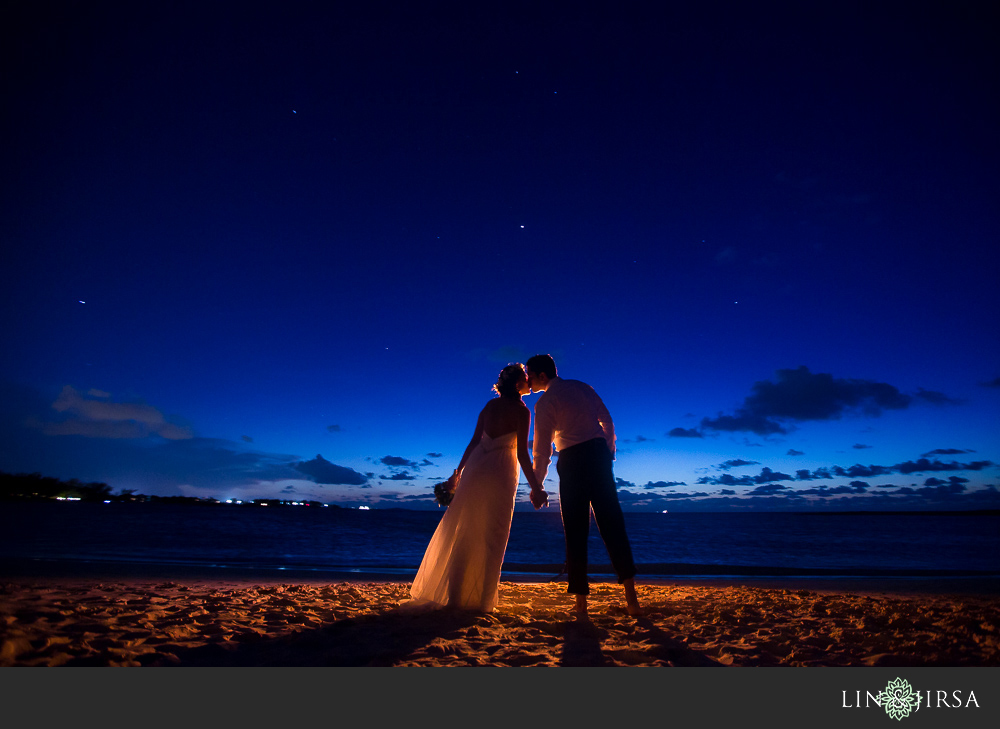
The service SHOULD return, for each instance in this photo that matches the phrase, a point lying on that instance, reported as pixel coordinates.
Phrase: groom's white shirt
(569, 412)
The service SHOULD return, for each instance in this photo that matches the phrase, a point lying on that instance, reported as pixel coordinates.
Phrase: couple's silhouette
(461, 567)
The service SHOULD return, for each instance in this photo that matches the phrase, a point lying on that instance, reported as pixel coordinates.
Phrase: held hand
(539, 498)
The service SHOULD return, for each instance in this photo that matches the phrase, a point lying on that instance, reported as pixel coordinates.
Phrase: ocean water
(329, 539)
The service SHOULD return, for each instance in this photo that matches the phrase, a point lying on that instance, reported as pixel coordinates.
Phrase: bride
(461, 567)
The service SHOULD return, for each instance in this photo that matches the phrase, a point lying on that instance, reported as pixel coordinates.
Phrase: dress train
(461, 566)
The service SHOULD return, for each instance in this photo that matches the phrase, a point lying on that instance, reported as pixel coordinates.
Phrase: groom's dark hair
(542, 364)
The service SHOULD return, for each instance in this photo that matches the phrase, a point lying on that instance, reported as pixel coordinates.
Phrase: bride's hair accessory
(509, 379)
(443, 493)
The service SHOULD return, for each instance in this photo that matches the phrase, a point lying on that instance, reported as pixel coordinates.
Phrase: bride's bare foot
(581, 608)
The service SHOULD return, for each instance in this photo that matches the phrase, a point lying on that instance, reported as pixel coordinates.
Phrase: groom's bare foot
(631, 599)
(581, 608)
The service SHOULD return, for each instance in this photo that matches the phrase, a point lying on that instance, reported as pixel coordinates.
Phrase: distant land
(36, 487)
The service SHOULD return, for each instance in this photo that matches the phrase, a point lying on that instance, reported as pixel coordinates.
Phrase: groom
(571, 413)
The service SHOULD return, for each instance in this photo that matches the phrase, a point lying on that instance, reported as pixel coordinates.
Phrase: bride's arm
(476, 437)
(523, 423)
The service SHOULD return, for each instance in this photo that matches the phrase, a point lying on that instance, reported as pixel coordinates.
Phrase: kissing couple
(461, 567)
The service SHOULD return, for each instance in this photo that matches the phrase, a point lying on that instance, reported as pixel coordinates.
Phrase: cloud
(202, 463)
(246, 439)
(952, 481)
(991, 383)
(793, 452)
(743, 421)
(805, 475)
(726, 256)
(435, 455)
(860, 446)
(413, 498)
(96, 417)
(629, 496)
(688, 495)
(939, 488)
(662, 484)
(640, 439)
(766, 475)
(776, 497)
(401, 476)
(322, 471)
(152, 465)
(923, 465)
(735, 463)
(856, 487)
(207, 462)
(800, 395)
(859, 470)
(398, 461)
(725, 480)
(333, 428)
(936, 398)
(945, 452)
(684, 433)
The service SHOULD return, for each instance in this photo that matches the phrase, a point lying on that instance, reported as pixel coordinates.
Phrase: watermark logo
(899, 699)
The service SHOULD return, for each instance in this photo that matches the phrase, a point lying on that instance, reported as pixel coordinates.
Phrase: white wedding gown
(461, 567)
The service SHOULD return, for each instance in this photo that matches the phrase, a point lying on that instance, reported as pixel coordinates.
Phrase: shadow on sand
(583, 647)
(383, 639)
(393, 637)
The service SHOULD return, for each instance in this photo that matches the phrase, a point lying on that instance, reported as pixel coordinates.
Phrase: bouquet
(444, 492)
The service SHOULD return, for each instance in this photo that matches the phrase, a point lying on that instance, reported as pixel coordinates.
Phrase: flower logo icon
(899, 699)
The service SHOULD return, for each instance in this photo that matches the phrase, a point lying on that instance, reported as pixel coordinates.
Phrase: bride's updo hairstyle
(508, 383)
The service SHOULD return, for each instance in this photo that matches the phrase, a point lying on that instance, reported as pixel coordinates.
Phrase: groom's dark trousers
(586, 479)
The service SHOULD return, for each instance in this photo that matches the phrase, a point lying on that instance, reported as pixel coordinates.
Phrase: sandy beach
(254, 621)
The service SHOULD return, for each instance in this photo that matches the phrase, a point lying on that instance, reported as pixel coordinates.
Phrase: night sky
(283, 252)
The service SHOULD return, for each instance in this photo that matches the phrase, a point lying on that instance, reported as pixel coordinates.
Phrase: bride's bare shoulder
(493, 408)
(509, 405)
(502, 414)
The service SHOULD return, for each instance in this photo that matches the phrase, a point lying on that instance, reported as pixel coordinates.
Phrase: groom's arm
(607, 424)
